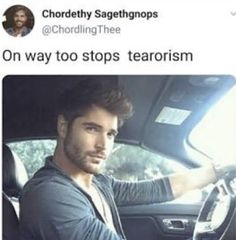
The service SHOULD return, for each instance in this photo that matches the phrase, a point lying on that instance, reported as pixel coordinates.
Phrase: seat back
(14, 178)
(10, 225)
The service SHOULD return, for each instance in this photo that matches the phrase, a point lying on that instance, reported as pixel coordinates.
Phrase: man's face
(20, 19)
(90, 138)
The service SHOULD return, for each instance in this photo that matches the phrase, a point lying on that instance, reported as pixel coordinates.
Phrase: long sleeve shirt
(53, 206)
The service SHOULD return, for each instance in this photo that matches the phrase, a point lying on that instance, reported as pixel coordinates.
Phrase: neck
(18, 28)
(83, 179)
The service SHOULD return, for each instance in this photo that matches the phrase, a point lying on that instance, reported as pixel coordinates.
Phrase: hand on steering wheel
(227, 172)
(217, 217)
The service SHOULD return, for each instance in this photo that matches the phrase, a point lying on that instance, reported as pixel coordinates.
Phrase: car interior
(166, 110)
(14, 178)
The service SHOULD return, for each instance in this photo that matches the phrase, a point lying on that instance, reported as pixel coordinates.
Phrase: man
(20, 18)
(68, 198)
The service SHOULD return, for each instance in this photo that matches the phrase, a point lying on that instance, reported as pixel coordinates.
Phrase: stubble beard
(19, 24)
(79, 158)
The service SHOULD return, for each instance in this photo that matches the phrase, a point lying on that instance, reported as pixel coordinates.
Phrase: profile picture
(18, 21)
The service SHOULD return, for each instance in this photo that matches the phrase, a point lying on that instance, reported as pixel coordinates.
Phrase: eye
(112, 134)
(91, 129)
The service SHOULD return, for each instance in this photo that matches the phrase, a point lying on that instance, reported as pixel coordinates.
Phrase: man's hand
(227, 172)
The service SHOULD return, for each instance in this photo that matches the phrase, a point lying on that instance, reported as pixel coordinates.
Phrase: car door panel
(167, 221)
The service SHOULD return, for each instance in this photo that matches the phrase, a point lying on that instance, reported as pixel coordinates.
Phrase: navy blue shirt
(53, 206)
(24, 31)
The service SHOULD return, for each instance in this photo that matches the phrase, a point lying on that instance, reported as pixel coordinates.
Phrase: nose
(102, 142)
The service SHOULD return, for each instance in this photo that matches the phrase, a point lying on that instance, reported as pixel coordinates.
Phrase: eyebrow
(93, 124)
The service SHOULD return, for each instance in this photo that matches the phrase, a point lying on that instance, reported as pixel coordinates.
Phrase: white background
(205, 28)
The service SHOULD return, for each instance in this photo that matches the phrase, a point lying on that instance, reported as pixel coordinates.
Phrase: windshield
(215, 135)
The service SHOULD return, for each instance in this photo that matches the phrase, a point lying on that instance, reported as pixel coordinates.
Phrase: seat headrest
(14, 173)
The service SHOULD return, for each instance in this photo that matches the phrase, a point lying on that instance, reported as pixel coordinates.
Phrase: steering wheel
(217, 217)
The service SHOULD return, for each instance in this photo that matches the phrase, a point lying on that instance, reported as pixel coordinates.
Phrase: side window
(127, 162)
(33, 153)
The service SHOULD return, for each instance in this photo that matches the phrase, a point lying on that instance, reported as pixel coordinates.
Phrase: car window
(33, 153)
(127, 162)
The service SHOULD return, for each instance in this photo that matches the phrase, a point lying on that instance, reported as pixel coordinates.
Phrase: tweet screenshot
(118, 120)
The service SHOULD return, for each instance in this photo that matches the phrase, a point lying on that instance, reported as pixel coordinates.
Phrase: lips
(19, 23)
(100, 156)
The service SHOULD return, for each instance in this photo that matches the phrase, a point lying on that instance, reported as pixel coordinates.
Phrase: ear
(62, 126)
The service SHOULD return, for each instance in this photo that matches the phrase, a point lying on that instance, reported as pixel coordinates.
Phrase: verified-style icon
(18, 21)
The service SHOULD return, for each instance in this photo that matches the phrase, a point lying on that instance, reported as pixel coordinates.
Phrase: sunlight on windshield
(215, 135)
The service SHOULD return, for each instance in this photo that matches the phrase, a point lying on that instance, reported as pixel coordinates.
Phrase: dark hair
(21, 8)
(77, 100)
(10, 12)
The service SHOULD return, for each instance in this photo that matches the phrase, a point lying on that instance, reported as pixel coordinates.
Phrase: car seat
(14, 178)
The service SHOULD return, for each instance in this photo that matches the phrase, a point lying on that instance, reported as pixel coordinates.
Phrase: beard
(19, 24)
(83, 160)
